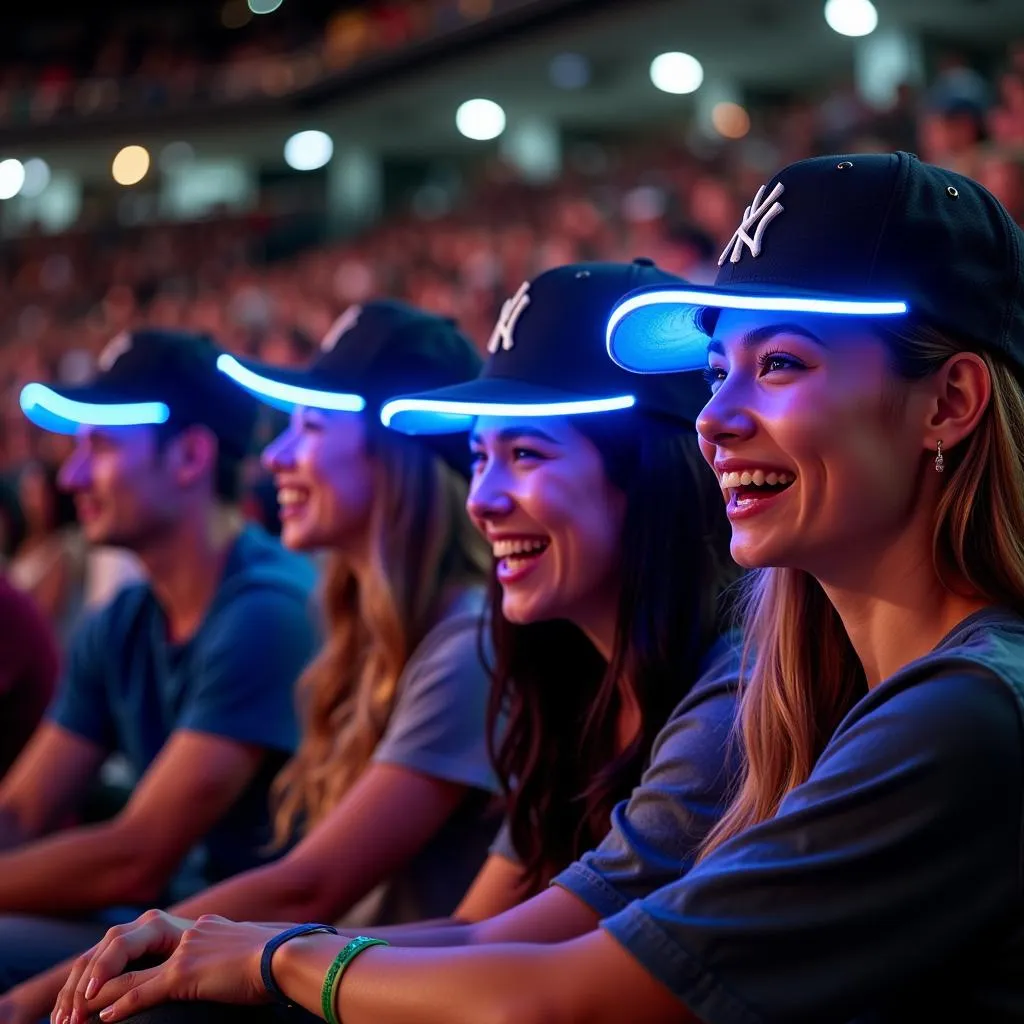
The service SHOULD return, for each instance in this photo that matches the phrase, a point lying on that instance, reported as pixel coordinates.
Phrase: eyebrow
(759, 335)
(510, 434)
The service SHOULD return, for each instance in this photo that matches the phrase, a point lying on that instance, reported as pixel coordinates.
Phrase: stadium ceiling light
(130, 165)
(678, 73)
(308, 150)
(851, 17)
(12, 177)
(480, 119)
(37, 177)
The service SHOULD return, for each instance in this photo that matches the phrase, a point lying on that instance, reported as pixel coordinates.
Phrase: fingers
(63, 1007)
(153, 933)
(132, 993)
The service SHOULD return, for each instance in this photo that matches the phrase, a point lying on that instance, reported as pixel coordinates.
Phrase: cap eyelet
(582, 273)
(951, 192)
(844, 165)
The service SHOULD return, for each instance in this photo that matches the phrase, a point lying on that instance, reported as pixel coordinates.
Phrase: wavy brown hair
(555, 702)
(804, 675)
(422, 547)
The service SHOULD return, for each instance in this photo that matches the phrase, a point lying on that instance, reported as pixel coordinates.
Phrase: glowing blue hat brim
(286, 389)
(454, 410)
(657, 330)
(60, 413)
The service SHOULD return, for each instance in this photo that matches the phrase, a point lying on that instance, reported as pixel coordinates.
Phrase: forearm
(39, 994)
(81, 869)
(407, 986)
(590, 979)
(442, 931)
(272, 893)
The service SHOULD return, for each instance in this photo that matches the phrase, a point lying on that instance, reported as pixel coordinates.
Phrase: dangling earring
(940, 462)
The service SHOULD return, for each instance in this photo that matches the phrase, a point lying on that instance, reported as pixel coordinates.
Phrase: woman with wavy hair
(390, 789)
(865, 346)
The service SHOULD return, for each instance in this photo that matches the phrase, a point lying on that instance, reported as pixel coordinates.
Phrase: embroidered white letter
(758, 213)
(341, 326)
(511, 311)
(113, 350)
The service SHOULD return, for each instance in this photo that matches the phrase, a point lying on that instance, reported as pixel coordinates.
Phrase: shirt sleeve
(438, 725)
(503, 845)
(900, 853)
(655, 834)
(82, 704)
(244, 689)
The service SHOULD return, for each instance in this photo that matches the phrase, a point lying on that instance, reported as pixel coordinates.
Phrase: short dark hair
(550, 682)
(227, 470)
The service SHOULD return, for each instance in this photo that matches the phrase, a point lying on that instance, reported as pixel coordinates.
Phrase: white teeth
(757, 478)
(290, 496)
(507, 548)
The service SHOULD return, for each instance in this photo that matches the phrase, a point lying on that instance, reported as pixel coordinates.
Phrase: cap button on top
(643, 261)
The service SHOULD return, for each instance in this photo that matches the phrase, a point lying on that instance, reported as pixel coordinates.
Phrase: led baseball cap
(149, 377)
(547, 358)
(870, 235)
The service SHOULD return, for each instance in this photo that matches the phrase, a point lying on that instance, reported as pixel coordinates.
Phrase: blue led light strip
(767, 303)
(591, 405)
(291, 394)
(36, 397)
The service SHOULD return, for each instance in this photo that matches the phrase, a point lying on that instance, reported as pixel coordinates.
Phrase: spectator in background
(189, 675)
(49, 563)
(954, 121)
(28, 670)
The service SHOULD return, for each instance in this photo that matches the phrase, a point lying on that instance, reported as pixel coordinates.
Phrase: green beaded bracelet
(333, 977)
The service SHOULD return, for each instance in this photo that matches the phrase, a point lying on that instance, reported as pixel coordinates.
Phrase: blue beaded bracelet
(274, 944)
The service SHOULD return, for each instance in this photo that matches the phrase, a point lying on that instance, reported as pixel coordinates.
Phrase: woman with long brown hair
(865, 346)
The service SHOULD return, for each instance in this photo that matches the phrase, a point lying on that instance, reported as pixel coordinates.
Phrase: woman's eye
(773, 362)
(519, 454)
(714, 375)
(477, 459)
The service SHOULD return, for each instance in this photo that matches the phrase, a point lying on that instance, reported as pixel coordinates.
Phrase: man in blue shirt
(189, 675)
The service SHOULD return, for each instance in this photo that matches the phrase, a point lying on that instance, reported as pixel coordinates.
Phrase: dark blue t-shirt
(888, 887)
(127, 688)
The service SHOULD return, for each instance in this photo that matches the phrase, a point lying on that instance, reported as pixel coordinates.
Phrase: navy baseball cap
(547, 358)
(150, 377)
(372, 353)
(869, 235)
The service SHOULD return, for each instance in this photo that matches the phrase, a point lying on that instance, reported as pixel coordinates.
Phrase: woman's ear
(962, 390)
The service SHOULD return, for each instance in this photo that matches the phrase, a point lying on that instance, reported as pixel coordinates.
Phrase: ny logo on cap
(757, 216)
(114, 349)
(511, 311)
(340, 327)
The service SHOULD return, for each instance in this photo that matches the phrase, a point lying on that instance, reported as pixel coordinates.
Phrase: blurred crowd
(674, 199)
(88, 69)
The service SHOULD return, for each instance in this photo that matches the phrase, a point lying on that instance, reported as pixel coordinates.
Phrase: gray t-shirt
(693, 769)
(438, 727)
(889, 886)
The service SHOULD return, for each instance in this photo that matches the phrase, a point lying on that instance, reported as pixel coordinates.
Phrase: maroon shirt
(28, 670)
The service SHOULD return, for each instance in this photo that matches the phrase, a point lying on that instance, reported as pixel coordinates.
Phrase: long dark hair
(555, 702)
